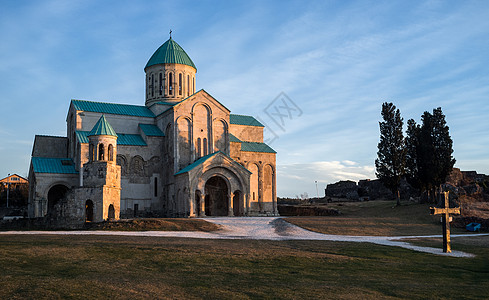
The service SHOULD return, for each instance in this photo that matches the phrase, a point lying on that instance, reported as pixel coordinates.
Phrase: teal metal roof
(82, 136)
(196, 163)
(170, 53)
(130, 140)
(122, 139)
(53, 165)
(151, 130)
(256, 147)
(113, 108)
(102, 127)
(251, 146)
(232, 138)
(244, 120)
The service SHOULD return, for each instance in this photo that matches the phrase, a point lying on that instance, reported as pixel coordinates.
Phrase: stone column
(192, 210)
(202, 205)
(274, 193)
(247, 203)
(230, 205)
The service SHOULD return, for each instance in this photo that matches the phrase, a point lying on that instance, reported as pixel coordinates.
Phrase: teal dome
(170, 53)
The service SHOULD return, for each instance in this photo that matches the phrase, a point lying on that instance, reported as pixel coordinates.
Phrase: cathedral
(182, 154)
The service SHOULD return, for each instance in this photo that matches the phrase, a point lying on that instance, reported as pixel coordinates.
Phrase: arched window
(161, 83)
(101, 152)
(156, 187)
(205, 146)
(90, 152)
(111, 152)
(170, 83)
(180, 82)
(188, 85)
(149, 84)
(193, 85)
(152, 85)
(198, 148)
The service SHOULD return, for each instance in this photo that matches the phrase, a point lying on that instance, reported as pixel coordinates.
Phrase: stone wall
(50, 146)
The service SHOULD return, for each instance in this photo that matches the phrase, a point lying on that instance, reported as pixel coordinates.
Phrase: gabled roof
(202, 91)
(102, 127)
(244, 120)
(251, 146)
(196, 163)
(113, 108)
(206, 158)
(151, 130)
(6, 179)
(53, 165)
(170, 53)
(122, 139)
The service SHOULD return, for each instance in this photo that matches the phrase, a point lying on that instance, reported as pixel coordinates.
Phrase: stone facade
(183, 154)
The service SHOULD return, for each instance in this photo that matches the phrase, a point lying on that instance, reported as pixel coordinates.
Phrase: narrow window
(111, 152)
(161, 83)
(170, 84)
(152, 85)
(180, 84)
(101, 152)
(205, 146)
(156, 187)
(136, 208)
(188, 85)
(193, 85)
(149, 85)
(198, 148)
(90, 152)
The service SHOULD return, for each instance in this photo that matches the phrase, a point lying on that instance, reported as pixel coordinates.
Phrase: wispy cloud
(337, 60)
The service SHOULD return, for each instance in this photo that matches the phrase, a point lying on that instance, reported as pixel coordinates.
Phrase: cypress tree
(391, 155)
(429, 152)
(412, 148)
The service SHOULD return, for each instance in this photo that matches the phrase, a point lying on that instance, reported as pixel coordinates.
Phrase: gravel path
(266, 228)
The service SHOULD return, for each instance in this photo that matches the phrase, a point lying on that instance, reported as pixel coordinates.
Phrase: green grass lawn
(124, 267)
(100, 267)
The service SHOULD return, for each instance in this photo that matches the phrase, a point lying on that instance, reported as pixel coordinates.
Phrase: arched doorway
(216, 197)
(111, 215)
(89, 211)
(55, 194)
(237, 205)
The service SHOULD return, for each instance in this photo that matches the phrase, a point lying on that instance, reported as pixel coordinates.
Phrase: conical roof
(170, 53)
(102, 127)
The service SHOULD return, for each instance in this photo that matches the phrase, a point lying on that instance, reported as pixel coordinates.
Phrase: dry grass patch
(377, 218)
(155, 224)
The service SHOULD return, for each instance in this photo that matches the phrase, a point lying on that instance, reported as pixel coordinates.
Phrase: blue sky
(335, 62)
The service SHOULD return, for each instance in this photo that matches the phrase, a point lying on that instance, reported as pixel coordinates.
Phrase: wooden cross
(445, 212)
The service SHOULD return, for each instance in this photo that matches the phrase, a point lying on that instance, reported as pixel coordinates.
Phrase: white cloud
(295, 179)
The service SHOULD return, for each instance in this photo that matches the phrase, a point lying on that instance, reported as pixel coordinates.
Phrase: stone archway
(216, 197)
(55, 194)
(111, 215)
(89, 211)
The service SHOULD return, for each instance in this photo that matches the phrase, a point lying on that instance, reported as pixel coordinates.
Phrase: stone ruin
(459, 183)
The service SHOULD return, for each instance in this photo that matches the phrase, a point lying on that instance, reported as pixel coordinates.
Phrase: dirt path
(266, 228)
